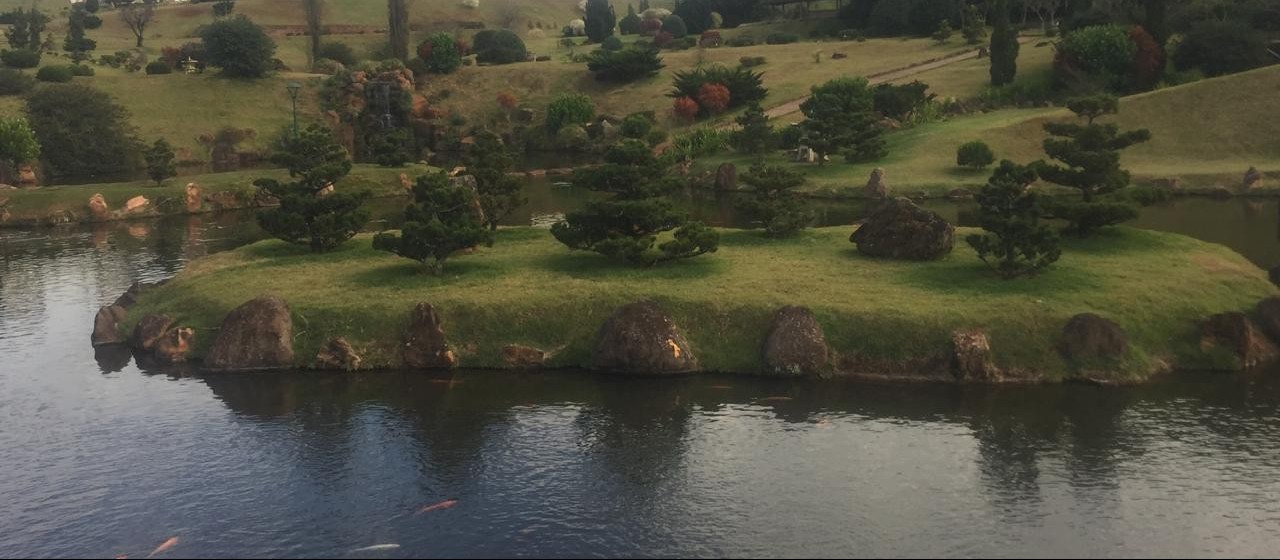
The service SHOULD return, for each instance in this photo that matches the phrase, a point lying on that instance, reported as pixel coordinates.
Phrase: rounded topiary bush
(975, 155)
(20, 58)
(339, 52)
(158, 67)
(611, 43)
(55, 74)
(674, 25)
(81, 70)
(637, 125)
(499, 46)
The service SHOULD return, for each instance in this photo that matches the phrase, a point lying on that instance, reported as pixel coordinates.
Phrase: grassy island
(879, 316)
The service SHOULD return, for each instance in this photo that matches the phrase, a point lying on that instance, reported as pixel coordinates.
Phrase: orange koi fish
(164, 546)
(442, 505)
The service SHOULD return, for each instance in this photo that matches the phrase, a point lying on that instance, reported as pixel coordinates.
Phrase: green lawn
(1208, 133)
(879, 315)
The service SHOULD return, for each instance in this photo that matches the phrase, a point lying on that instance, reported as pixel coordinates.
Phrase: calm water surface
(99, 458)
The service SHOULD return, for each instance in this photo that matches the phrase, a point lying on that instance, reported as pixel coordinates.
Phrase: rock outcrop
(174, 346)
(148, 331)
(640, 338)
(255, 336)
(899, 229)
(106, 326)
(1089, 337)
(337, 354)
(425, 344)
(98, 209)
(1268, 312)
(1238, 335)
(971, 357)
(876, 186)
(136, 205)
(194, 200)
(796, 344)
(516, 356)
(1252, 179)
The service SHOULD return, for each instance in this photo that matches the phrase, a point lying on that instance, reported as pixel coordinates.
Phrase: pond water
(100, 458)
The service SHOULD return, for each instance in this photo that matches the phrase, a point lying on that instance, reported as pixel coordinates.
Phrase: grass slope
(879, 315)
(1208, 132)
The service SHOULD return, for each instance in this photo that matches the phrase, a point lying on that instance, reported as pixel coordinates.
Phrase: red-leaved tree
(686, 108)
(713, 97)
(1148, 59)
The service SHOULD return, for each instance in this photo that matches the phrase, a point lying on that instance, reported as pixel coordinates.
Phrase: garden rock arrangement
(1089, 337)
(1237, 334)
(796, 344)
(640, 338)
(971, 357)
(876, 186)
(106, 326)
(516, 356)
(425, 344)
(901, 230)
(337, 354)
(255, 336)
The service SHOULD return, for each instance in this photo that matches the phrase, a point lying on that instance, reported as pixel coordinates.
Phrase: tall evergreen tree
(315, 13)
(398, 28)
(76, 44)
(696, 15)
(626, 226)
(26, 29)
(756, 134)
(600, 20)
(160, 161)
(311, 213)
(1004, 46)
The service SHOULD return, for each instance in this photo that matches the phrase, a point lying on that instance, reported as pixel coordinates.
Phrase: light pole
(293, 88)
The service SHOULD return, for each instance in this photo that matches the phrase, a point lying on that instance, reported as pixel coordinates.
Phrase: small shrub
(508, 101)
(782, 38)
(626, 65)
(900, 101)
(686, 108)
(499, 46)
(742, 41)
(13, 82)
(569, 109)
(752, 61)
(711, 39)
(944, 32)
(81, 70)
(745, 86)
(663, 40)
(848, 34)
(1099, 55)
(637, 125)
(158, 67)
(774, 204)
(441, 53)
(788, 137)
(1221, 48)
(339, 52)
(55, 74)
(20, 58)
(241, 48)
(975, 155)
(611, 43)
(674, 25)
(656, 137)
(714, 98)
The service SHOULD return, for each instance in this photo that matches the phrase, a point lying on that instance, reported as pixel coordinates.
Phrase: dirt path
(793, 106)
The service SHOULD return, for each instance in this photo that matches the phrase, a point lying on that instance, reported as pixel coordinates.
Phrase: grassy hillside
(1207, 133)
(878, 314)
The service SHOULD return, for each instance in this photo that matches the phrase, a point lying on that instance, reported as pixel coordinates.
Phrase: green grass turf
(882, 315)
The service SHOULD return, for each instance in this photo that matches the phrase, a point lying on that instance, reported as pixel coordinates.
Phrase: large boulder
(194, 200)
(425, 345)
(1238, 335)
(727, 177)
(1252, 179)
(337, 354)
(98, 208)
(876, 186)
(136, 204)
(148, 331)
(27, 176)
(255, 336)
(899, 229)
(516, 356)
(106, 326)
(971, 357)
(174, 346)
(796, 344)
(640, 338)
(1268, 312)
(1089, 337)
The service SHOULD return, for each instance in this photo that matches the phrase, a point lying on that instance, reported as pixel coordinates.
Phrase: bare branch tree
(137, 17)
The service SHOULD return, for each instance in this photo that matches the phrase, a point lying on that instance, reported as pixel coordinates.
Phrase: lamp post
(293, 88)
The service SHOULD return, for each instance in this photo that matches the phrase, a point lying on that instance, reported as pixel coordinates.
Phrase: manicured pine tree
(1089, 157)
(756, 134)
(1016, 243)
(76, 44)
(626, 226)
(160, 161)
(773, 203)
(841, 118)
(310, 214)
(629, 25)
(974, 27)
(25, 29)
(439, 222)
(1004, 46)
(600, 20)
(696, 15)
(489, 162)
